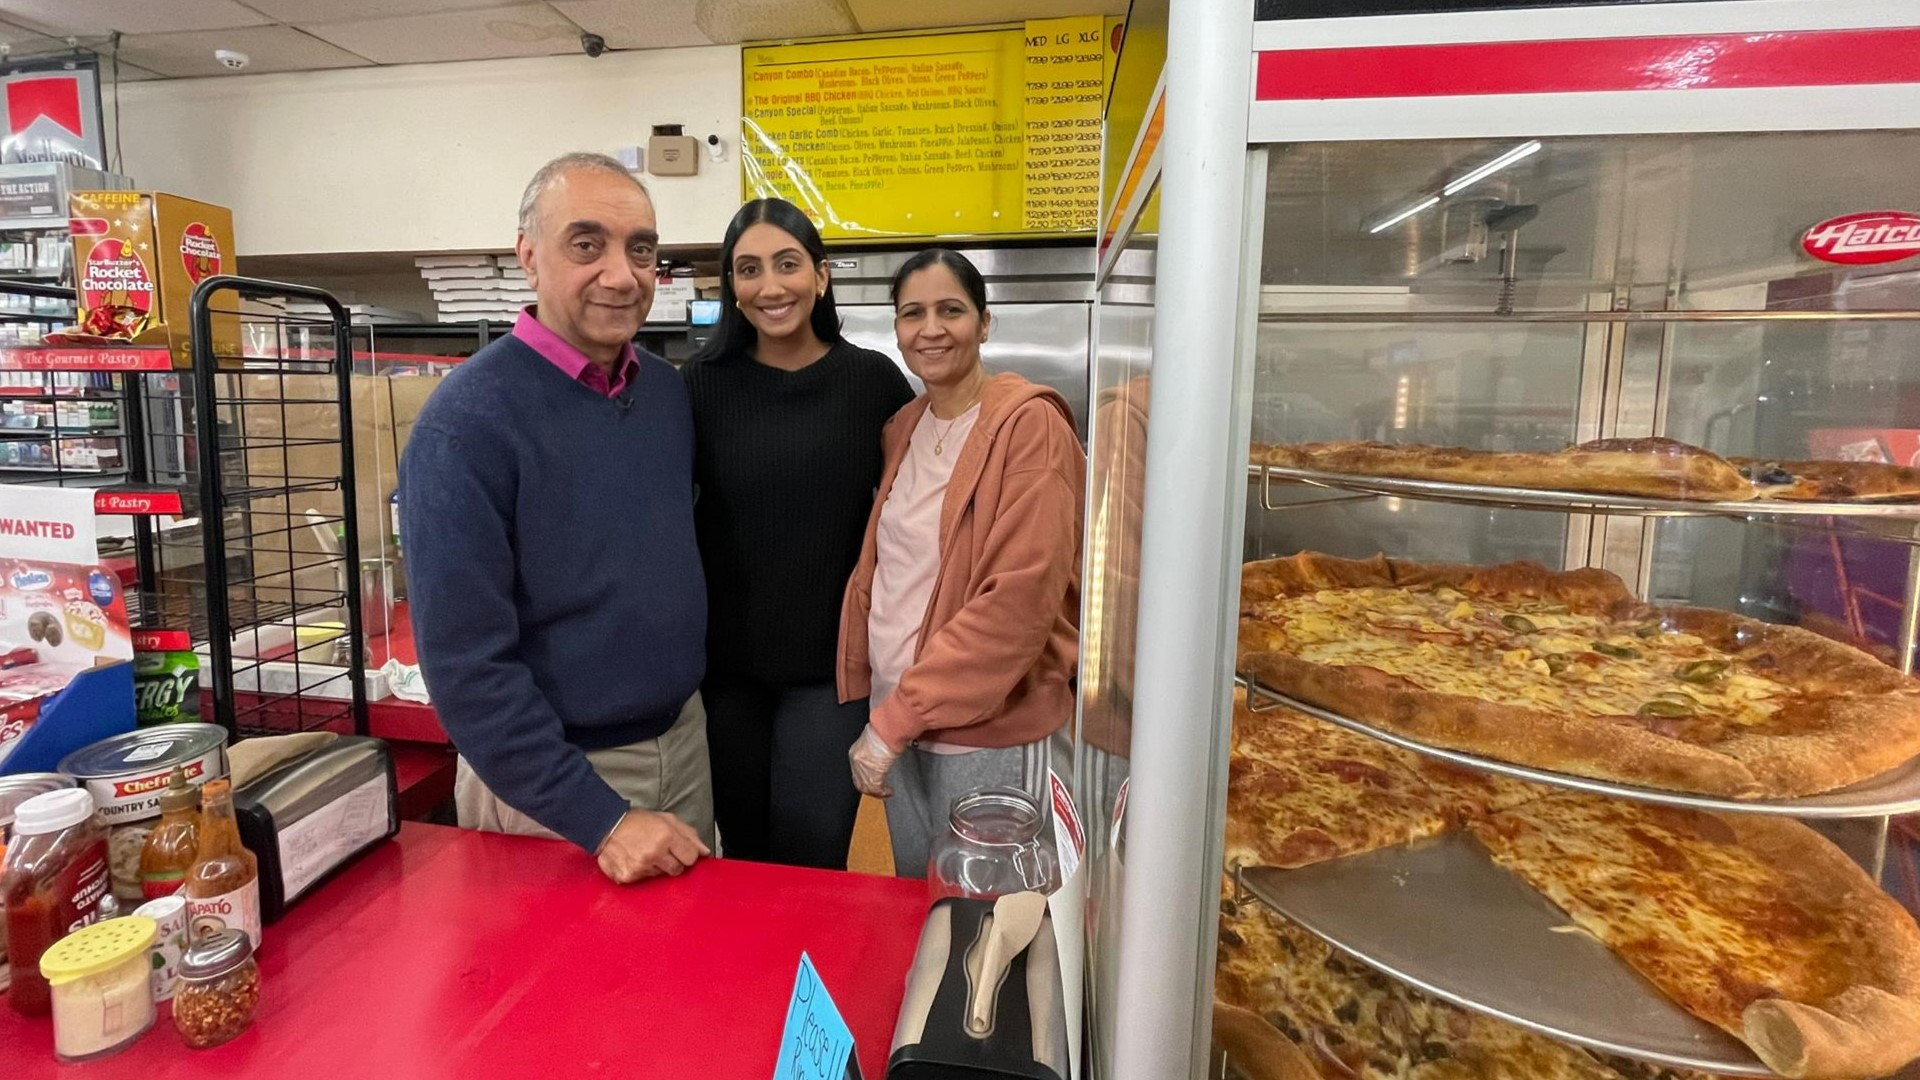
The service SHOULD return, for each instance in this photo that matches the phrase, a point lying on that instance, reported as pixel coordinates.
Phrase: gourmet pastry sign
(957, 134)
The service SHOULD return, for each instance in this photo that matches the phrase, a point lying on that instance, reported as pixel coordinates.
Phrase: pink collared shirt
(578, 366)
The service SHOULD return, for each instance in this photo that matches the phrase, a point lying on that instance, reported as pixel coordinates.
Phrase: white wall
(426, 157)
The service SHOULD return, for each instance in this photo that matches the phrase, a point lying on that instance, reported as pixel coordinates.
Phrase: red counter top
(450, 953)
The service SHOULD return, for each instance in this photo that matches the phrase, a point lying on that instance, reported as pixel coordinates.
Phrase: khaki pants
(669, 773)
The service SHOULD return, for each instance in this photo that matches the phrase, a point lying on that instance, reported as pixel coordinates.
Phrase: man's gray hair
(579, 160)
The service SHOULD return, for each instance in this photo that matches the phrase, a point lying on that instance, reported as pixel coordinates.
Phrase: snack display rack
(1495, 229)
(234, 545)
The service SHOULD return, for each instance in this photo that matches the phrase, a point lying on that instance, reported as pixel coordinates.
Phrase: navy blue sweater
(555, 585)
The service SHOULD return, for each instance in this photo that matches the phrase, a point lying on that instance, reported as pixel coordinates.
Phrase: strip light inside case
(1405, 214)
(1517, 154)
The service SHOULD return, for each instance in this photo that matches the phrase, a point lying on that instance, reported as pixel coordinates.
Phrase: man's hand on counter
(647, 843)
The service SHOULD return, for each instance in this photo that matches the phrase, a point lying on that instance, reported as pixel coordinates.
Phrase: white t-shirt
(907, 550)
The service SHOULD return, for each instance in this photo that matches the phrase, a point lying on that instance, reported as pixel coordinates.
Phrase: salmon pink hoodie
(1001, 635)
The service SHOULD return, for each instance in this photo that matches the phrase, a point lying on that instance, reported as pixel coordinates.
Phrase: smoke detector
(232, 60)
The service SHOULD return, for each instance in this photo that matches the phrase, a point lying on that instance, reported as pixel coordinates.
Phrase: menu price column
(1066, 90)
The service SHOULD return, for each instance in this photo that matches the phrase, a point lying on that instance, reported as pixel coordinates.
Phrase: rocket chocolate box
(137, 256)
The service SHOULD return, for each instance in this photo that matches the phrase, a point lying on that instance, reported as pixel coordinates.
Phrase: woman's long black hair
(735, 336)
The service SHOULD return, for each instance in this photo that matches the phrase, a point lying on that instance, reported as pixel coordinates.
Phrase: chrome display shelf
(1443, 917)
(1892, 521)
(1894, 792)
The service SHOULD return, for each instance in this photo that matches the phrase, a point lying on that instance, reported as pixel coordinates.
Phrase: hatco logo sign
(1877, 236)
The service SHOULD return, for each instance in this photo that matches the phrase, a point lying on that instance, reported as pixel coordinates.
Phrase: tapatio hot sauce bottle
(223, 887)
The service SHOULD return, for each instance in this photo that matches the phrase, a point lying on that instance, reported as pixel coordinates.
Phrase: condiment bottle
(223, 886)
(174, 845)
(54, 881)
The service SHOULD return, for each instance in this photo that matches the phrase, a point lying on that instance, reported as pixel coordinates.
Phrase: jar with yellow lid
(102, 989)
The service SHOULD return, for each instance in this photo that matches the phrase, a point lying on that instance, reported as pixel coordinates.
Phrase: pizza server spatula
(1016, 919)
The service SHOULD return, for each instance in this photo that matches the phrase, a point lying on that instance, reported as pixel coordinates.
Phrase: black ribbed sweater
(785, 463)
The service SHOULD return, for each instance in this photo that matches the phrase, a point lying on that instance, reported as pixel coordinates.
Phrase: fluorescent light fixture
(1405, 214)
(1519, 153)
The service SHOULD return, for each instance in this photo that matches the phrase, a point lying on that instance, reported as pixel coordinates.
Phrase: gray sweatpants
(925, 785)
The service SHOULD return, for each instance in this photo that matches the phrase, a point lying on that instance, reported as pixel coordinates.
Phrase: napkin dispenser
(1027, 1038)
(311, 816)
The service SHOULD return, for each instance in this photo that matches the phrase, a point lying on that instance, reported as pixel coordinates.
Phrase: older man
(557, 597)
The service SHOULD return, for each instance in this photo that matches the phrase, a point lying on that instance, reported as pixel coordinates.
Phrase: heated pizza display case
(1510, 230)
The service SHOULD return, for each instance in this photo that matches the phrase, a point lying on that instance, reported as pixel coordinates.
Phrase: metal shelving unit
(227, 507)
(278, 514)
(1400, 910)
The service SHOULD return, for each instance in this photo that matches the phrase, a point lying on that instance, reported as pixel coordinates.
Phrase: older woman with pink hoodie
(961, 620)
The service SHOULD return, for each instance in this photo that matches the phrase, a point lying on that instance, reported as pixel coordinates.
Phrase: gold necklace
(940, 437)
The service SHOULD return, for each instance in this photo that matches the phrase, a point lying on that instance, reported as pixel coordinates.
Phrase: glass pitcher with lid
(995, 844)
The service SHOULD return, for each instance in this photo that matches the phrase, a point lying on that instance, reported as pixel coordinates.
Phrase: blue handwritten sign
(816, 1044)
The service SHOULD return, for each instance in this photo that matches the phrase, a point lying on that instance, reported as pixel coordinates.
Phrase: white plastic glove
(872, 759)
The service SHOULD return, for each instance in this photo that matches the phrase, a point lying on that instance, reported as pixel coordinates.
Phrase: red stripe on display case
(1694, 62)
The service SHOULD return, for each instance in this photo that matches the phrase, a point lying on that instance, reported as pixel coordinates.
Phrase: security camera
(592, 44)
(716, 149)
(231, 60)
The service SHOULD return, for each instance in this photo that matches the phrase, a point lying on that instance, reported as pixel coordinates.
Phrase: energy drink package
(166, 677)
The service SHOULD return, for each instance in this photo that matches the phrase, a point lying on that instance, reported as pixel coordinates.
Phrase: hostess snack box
(137, 256)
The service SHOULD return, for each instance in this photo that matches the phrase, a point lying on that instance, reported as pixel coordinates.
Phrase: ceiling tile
(128, 73)
(315, 12)
(20, 39)
(268, 49)
(730, 21)
(879, 15)
(96, 18)
(637, 24)
(483, 34)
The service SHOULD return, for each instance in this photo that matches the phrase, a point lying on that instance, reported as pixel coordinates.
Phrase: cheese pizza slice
(1754, 923)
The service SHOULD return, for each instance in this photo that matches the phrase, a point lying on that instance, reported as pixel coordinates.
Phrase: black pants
(782, 789)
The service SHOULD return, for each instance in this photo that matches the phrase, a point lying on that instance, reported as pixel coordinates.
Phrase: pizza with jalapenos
(1566, 671)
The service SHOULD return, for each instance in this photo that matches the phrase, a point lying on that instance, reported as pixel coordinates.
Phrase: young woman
(961, 619)
(787, 418)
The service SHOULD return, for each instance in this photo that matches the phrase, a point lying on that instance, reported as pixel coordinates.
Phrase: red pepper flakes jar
(54, 881)
(218, 990)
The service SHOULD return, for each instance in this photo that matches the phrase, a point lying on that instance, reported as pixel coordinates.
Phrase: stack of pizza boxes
(137, 256)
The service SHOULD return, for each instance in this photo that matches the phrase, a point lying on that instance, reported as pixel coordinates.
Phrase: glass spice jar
(218, 990)
(995, 844)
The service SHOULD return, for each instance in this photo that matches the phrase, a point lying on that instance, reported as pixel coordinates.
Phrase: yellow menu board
(974, 133)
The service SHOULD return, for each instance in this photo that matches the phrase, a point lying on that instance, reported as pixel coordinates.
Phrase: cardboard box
(384, 411)
(137, 257)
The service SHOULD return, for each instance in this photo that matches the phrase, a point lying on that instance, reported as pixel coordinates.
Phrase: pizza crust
(1870, 1028)
(1829, 481)
(1255, 1048)
(1868, 722)
(1654, 467)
